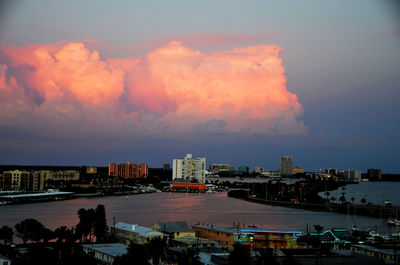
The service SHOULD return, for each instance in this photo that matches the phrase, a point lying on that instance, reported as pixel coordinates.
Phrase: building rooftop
(134, 228)
(194, 240)
(233, 230)
(374, 249)
(113, 250)
(173, 227)
(42, 194)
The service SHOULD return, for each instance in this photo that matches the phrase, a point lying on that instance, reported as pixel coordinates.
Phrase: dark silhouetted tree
(266, 257)
(84, 228)
(47, 235)
(100, 224)
(6, 234)
(29, 229)
(318, 228)
(61, 233)
(240, 255)
(158, 249)
(137, 254)
(189, 257)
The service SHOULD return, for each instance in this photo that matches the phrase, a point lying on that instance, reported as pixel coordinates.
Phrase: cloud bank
(68, 90)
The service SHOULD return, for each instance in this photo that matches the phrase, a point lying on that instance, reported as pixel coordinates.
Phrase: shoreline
(377, 211)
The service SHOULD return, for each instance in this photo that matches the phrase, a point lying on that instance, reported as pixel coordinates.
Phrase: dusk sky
(241, 82)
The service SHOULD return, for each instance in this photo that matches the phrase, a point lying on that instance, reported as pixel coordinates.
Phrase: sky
(240, 82)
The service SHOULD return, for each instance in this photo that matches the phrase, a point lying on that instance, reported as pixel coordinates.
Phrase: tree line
(92, 226)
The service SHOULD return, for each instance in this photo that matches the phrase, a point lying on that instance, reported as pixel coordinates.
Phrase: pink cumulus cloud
(171, 91)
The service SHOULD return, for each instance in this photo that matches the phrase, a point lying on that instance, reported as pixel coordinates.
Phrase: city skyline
(91, 83)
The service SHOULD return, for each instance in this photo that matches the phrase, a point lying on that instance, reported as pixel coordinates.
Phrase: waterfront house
(250, 236)
(388, 255)
(105, 253)
(132, 233)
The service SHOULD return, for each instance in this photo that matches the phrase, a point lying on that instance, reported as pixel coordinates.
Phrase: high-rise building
(189, 169)
(374, 174)
(286, 166)
(128, 170)
(352, 174)
(166, 167)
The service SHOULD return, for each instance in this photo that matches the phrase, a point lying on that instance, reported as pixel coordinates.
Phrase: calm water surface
(374, 192)
(217, 209)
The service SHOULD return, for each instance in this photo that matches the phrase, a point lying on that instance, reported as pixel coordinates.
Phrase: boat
(393, 221)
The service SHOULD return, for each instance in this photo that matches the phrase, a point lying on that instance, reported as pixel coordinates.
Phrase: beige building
(388, 255)
(133, 233)
(20, 180)
(46, 175)
(297, 170)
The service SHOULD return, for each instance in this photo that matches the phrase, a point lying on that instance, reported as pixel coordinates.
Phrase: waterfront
(217, 209)
(374, 192)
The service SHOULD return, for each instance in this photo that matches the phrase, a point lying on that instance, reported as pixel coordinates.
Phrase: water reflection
(217, 209)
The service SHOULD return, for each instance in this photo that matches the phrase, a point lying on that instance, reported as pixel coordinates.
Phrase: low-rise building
(193, 242)
(252, 237)
(132, 233)
(91, 170)
(297, 170)
(388, 255)
(4, 260)
(243, 169)
(259, 170)
(215, 168)
(174, 229)
(332, 171)
(45, 176)
(105, 253)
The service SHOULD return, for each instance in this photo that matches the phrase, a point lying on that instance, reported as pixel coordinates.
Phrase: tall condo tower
(189, 169)
(286, 166)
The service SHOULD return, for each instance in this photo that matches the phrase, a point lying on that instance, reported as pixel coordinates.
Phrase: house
(132, 233)
(4, 260)
(387, 255)
(105, 253)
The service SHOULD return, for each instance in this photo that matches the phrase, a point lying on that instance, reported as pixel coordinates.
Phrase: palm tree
(100, 223)
(363, 200)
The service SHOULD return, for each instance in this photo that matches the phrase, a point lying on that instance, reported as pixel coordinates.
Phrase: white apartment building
(189, 169)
